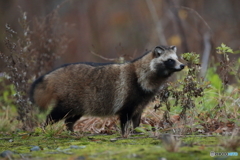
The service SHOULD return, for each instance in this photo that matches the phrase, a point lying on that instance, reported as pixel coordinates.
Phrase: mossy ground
(112, 147)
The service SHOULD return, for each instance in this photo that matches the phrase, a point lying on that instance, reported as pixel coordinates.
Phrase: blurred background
(37, 36)
(128, 28)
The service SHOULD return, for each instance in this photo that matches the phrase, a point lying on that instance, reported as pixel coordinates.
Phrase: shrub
(31, 53)
(184, 91)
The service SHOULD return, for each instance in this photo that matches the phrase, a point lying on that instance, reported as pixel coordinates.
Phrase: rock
(35, 148)
(6, 154)
(77, 147)
(113, 140)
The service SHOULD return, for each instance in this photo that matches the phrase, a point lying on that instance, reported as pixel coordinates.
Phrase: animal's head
(165, 61)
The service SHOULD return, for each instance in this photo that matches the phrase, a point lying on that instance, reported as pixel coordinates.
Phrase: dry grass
(30, 54)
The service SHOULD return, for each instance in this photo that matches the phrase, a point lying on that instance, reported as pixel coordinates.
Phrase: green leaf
(236, 52)
(191, 57)
(223, 45)
(223, 49)
(140, 129)
(147, 126)
(214, 78)
(229, 50)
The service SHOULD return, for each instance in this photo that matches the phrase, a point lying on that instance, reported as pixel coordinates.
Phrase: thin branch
(197, 14)
(108, 59)
(179, 23)
(157, 22)
(206, 40)
(59, 6)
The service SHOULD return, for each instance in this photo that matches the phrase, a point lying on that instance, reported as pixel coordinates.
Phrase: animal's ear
(158, 51)
(174, 48)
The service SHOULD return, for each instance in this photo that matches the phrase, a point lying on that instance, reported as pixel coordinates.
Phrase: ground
(38, 145)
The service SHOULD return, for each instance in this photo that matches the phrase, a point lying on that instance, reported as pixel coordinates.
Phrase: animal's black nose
(182, 66)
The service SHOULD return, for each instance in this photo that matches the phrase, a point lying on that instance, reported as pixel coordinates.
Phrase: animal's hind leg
(136, 119)
(70, 121)
(56, 115)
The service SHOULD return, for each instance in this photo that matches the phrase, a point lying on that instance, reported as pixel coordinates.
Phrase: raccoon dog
(105, 89)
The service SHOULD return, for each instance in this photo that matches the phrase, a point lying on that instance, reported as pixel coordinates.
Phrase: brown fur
(103, 90)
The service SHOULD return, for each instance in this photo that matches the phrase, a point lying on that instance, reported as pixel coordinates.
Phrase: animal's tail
(40, 94)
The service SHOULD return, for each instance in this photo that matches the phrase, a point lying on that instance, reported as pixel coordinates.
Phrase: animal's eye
(170, 60)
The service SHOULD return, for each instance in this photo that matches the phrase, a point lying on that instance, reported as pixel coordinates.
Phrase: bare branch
(198, 15)
(157, 22)
(107, 59)
(179, 24)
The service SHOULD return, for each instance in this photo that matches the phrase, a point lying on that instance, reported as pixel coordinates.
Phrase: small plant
(170, 143)
(6, 100)
(54, 130)
(146, 129)
(30, 54)
(228, 67)
(224, 63)
(8, 122)
(185, 91)
(227, 93)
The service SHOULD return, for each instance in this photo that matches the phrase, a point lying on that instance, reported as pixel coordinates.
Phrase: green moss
(101, 147)
(202, 140)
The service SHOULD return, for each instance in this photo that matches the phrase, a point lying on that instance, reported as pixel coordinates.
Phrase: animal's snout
(182, 66)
